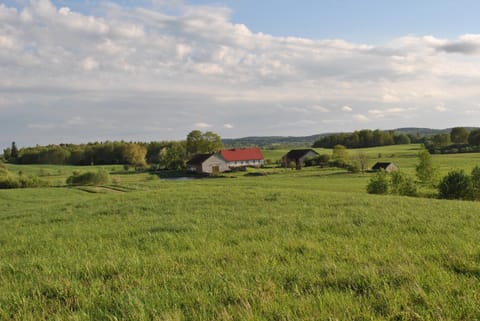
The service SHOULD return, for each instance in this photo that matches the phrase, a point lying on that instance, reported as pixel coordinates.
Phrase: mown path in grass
(279, 247)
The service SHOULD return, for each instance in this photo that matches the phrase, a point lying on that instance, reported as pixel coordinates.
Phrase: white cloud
(228, 126)
(202, 125)
(361, 118)
(89, 64)
(441, 108)
(75, 121)
(320, 108)
(181, 62)
(42, 126)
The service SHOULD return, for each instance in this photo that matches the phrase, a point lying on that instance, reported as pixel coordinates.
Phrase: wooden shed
(298, 156)
(207, 163)
(386, 166)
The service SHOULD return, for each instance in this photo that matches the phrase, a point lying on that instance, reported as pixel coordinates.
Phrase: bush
(89, 178)
(353, 168)
(7, 180)
(456, 185)
(378, 184)
(402, 184)
(476, 177)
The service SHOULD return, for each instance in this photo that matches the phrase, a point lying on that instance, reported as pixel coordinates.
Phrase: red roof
(242, 154)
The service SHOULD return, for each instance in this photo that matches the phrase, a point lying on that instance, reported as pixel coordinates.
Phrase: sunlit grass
(291, 245)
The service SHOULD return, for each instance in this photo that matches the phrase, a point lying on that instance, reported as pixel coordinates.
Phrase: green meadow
(283, 245)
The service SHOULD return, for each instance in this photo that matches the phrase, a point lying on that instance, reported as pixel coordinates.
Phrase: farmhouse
(243, 157)
(207, 163)
(225, 160)
(298, 156)
(388, 167)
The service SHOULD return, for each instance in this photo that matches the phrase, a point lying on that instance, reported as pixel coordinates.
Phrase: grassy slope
(307, 245)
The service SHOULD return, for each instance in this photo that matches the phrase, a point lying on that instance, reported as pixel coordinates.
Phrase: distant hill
(295, 141)
(271, 141)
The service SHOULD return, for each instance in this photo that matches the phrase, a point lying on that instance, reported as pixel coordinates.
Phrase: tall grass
(303, 245)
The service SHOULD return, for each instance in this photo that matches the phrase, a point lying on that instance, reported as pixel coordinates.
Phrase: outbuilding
(386, 166)
(298, 156)
(207, 163)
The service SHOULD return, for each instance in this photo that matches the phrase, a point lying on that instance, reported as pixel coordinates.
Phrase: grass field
(292, 245)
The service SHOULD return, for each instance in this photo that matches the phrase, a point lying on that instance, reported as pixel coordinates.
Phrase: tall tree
(474, 137)
(425, 170)
(459, 135)
(441, 140)
(340, 155)
(194, 142)
(134, 154)
(14, 151)
(360, 160)
(198, 142)
(173, 157)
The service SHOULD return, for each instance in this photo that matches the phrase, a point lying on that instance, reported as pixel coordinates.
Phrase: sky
(81, 71)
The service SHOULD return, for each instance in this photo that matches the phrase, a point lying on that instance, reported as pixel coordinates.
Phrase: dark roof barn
(386, 166)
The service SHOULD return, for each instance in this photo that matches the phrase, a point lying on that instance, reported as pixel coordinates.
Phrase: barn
(298, 156)
(207, 163)
(386, 166)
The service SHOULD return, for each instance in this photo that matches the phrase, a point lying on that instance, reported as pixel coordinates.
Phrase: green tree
(476, 177)
(456, 185)
(174, 156)
(459, 135)
(340, 155)
(401, 184)
(7, 153)
(425, 170)
(378, 184)
(198, 142)
(441, 140)
(474, 137)
(14, 151)
(402, 139)
(134, 154)
(360, 160)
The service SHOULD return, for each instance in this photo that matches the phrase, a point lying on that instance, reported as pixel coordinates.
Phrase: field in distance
(291, 245)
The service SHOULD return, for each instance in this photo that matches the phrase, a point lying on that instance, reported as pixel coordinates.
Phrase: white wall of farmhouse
(253, 163)
(215, 161)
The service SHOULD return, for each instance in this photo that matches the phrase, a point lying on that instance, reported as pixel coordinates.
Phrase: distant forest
(174, 154)
(282, 142)
(367, 138)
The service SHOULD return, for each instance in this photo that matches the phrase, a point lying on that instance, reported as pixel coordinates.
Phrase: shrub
(3, 171)
(456, 185)
(378, 184)
(89, 178)
(353, 168)
(425, 170)
(403, 185)
(2, 165)
(323, 160)
(476, 177)
(32, 181)
(9, 181)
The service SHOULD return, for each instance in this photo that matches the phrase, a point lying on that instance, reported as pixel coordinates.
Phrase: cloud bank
(157, 73)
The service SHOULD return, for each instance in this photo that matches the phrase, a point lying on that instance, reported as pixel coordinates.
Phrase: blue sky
(78, 71)
(371, 21)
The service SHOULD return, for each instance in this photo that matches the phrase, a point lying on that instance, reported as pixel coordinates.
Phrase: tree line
(160, 154)
(459, 140)
(366, 138)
